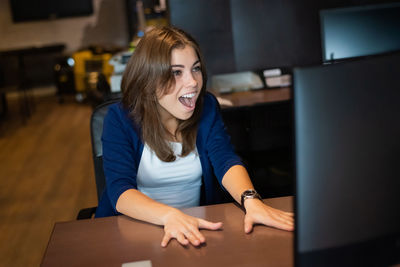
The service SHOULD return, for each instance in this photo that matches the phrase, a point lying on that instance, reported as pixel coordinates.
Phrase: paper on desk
(137, 264)
(224, 101)
(236, 82)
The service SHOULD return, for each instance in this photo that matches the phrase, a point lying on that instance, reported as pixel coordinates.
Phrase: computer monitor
(347, 163)
(359, 31)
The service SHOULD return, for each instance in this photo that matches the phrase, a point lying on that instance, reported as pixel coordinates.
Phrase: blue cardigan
(122, 151)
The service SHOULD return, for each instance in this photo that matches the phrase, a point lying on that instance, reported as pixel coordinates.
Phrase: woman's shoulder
(119, 116)
(119, 120)
(118, 111)
(210, 98)
(210, 102)
(117, 108)
(210, 109)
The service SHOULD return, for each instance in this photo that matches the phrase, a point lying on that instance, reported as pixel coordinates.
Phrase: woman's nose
(190, 80)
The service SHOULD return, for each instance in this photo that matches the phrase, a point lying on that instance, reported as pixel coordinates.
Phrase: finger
(203, 224)
(181, 239)
(283, 226)
(284, 213)
(248, 224)
(195, 231)
(165, 240)
(286, 217)
(281, 215)
(283, 218)
(282, 223)
(192, 238)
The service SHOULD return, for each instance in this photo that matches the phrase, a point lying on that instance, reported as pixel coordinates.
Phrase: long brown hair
(149, 70)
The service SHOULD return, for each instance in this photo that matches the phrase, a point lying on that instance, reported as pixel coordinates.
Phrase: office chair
(96, 130)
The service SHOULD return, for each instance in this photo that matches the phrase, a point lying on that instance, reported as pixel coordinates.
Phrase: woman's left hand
(259, 213)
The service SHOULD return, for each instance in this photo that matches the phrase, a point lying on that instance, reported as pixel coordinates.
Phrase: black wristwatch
(249, 194)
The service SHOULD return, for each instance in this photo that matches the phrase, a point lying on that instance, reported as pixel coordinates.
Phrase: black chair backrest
(96, 130)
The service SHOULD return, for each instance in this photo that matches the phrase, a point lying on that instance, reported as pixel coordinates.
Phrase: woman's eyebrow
(197, 61)
(177, 65)
(182, 66)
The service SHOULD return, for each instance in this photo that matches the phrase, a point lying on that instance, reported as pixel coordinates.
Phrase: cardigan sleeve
(119, 153)
(218, 145)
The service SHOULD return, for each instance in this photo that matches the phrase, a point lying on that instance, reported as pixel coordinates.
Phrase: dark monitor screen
(359, 31)
(347, 151)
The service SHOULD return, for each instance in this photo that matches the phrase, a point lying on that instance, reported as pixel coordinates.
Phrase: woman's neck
(171, 126)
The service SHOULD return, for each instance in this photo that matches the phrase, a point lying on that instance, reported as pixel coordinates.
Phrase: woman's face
(180, 101)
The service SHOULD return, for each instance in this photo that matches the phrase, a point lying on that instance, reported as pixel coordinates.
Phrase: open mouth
(188, 100)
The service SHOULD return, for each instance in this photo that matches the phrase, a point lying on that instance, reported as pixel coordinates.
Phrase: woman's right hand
(185, 228)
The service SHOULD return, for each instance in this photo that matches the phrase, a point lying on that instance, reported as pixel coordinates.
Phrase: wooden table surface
(116, 240)
(252, 97)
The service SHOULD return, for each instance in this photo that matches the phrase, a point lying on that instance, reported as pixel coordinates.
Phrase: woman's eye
(197, 69)
(176, 72)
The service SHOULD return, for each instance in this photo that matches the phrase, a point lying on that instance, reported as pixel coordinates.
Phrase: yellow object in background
(86, 64)
(160, 21)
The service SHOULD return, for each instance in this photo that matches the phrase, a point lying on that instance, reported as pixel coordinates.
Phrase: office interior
(55, 69)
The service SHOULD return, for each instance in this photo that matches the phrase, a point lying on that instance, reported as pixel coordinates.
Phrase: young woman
(165, 146)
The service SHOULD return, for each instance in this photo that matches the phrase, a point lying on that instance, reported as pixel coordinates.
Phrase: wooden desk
(115, 240)
(252, 97)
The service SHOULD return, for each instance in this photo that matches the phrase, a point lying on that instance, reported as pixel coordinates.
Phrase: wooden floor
(46, 175)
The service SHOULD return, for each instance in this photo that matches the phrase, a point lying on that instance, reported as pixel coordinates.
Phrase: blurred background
(59, 59)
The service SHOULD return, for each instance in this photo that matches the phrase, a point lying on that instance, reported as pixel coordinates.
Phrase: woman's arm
(176, 224)
(236, 181)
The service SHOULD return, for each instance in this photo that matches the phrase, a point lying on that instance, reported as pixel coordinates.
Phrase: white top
(176, 183)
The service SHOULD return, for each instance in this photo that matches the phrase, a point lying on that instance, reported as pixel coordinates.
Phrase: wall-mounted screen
(27, 10)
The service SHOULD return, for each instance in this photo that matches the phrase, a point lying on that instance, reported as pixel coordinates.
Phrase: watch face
(248, 193)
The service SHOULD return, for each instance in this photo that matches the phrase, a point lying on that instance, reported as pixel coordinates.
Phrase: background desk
(33, 66)
(115, 240)
(260, 96)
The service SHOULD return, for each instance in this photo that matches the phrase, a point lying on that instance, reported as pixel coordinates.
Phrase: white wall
(107, 26)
